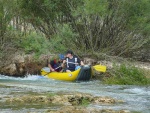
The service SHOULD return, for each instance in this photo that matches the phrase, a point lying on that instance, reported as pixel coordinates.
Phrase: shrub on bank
(126, 75)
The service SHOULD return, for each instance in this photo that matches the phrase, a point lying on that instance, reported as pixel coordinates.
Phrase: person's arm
(63, 64)
(81, 63)
(49, 65)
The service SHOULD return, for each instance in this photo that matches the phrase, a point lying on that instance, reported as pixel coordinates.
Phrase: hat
(61, 56)
(69, 52)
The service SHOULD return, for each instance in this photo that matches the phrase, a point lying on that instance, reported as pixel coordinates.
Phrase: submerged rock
(68, 103)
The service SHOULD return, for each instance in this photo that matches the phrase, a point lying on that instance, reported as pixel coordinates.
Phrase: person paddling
(55, 64)
(71, 61)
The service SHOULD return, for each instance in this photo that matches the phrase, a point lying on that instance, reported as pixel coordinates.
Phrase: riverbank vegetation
(111, 27)
(127, 75)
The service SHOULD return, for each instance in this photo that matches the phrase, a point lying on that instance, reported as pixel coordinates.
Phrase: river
(137, 98)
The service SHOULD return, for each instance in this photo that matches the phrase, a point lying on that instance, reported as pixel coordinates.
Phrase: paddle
(100, 68)
(47, 69)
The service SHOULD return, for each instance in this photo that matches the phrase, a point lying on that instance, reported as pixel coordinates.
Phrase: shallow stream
(137, 98)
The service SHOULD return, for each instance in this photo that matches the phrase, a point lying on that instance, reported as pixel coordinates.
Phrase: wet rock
(76, 109)
(68, 103)
(60, 99)
(124, 111)
(64, 99)
(108, 100)
(109, 111)
(75, 100)
(69, 109)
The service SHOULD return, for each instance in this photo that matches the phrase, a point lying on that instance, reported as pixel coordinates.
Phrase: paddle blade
(45, 71)
(100, 68)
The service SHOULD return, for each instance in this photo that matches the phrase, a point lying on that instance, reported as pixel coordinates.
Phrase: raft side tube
(84, 74)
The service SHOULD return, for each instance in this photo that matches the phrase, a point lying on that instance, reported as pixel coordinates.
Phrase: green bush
(127, 75)
(39, 44)
(64, 39)
(35, 43)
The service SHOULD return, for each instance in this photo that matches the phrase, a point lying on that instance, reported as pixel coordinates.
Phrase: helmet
(61, 56)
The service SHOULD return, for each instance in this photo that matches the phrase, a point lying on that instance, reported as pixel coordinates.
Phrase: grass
(85, 102)
(127, 75)
(146, 73)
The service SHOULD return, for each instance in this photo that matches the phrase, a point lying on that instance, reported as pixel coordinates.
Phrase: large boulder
(21, 64)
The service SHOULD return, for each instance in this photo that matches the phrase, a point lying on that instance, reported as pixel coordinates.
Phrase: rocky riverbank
(21, 64)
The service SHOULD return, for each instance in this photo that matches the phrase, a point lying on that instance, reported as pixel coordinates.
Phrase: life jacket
(56, 65)
(72, 63)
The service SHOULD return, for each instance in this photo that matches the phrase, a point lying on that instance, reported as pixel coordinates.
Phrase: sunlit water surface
(137, 98)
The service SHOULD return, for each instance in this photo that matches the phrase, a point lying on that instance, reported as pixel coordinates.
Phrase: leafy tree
(112, 26)
(115, 27)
